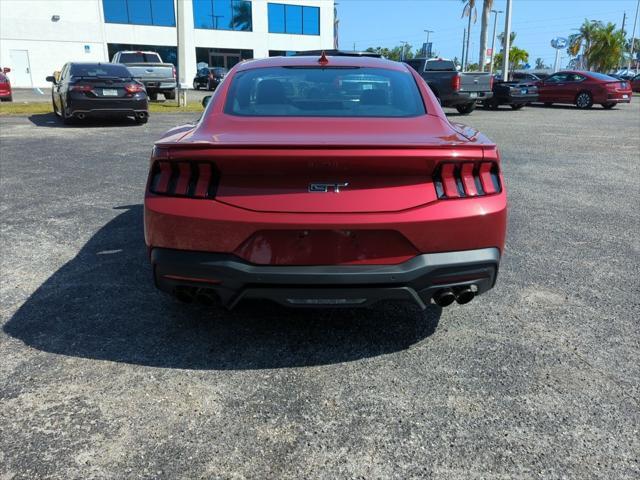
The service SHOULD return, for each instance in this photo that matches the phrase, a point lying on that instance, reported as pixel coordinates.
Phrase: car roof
(312, 61)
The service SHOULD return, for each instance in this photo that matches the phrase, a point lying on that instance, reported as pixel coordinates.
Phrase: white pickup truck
(148, 68)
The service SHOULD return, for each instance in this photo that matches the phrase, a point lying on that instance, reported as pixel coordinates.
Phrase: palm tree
(606, 48)
(487, 5)
(583, 39)
(512, 38)
(470, 11)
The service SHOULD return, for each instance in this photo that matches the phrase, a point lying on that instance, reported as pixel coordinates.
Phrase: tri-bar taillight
(467, 179)
(184, 179)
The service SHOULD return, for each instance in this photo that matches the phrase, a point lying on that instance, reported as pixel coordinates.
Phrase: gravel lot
(103, 377)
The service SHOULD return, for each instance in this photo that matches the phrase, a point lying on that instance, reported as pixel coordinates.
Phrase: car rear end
(215, 77)
(515, 93)
(105, 90)
(5, 88)
(474, 86)
(615, 92)
(329, 193)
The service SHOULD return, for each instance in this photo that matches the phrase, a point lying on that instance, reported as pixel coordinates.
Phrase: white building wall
(82, 35)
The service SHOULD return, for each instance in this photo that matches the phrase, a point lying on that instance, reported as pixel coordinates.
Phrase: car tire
(66, 119)
(494, 104)
(153, 96)
(171, 95)
(466, 109)
(55, 109)
(196, 85)
(517, 106)
(608, 106)
(584, 100)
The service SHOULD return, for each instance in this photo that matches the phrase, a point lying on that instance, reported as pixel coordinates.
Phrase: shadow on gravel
(51, 120)
(102, 305)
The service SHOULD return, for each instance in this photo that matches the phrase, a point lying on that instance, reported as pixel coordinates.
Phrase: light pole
(493, 41)
(507, 43)
(633, 38)
(404, 44)
(426, 45)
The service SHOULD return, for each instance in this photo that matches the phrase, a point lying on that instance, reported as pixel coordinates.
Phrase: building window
(140, 12)
(222, 15)
(294, 19)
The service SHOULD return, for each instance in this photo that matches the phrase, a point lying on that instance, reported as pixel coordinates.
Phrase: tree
(517, 57)
(512, 38)
(242, 15)
(487, 5)
(584, 39)
(540, 64)
(394, 53)
(606, 49)
(469, 10)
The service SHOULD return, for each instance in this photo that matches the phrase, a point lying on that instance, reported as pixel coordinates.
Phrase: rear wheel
(170, 95)
(55, 108)
(466, 109)
(608, 106)
(517, 106)
(196, 85)
(584, 100)
(153, 96)
(67, 118)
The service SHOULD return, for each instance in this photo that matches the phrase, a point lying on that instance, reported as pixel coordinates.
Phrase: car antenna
(323, 60)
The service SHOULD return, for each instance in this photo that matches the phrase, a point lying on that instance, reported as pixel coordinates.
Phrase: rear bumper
(233, 279)
(516, 99)
(463, 98)
(106, 107)
(159, 85)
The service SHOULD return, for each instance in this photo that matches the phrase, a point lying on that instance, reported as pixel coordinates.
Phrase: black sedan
(515, 94)
(84, 90)
(209, 78)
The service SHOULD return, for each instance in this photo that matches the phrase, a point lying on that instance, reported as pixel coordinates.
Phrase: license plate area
(109, 92)
(473, 95)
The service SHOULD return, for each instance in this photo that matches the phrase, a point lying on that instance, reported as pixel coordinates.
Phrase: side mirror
(205, 101)
(51, 79)
(6, 70)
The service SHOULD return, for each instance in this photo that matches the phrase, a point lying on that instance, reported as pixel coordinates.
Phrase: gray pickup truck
(148, 68)
(460, 90)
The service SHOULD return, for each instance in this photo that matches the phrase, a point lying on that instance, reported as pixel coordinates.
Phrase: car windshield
(324, 92)
(602, 76)
(100, 70)
(139, 57)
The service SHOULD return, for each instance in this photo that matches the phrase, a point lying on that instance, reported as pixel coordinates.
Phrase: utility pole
(427, 44)
(493, 41)
(633, 38)
(624, 20)
(182, 53)
(507, 43)
(464, 39)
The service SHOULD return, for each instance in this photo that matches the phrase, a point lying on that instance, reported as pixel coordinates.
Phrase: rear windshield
(602, 76)
(139, 57)
(100, 70)
(324, 92)
(440, 65)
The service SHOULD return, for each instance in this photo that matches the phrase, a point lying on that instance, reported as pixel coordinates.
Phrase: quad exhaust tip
(465, 295)
(444, 298)
(80, 116)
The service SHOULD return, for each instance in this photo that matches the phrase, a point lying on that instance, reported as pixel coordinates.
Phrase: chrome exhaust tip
(465, 295)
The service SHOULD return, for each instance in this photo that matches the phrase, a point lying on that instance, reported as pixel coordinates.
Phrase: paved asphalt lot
(103, 377)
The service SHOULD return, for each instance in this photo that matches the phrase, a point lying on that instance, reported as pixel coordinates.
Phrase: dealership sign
(559, 43)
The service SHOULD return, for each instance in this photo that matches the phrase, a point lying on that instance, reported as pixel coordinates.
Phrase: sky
(385, 23)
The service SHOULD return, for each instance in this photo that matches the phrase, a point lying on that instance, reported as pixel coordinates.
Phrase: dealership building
(37, 37)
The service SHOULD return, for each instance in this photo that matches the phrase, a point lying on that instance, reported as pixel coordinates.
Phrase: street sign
(559, 43)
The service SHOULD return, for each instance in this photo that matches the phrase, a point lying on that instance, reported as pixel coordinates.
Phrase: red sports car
(5, 86)
(583, 89)
(325, 181)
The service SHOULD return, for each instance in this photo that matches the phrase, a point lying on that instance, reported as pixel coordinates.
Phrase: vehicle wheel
(55, 109)
(66, 118)
(466, 109)
(547, 104)
(608, 106)
(196, 85)
(153, 96)
(584, 100)
(517, 106)
(170, 95)
(209, 87)
(493, 104)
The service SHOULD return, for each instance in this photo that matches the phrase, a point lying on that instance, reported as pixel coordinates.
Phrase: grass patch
(23, 108)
